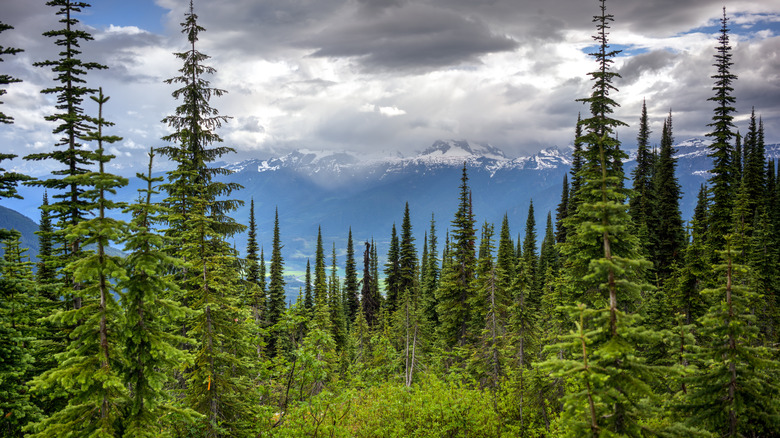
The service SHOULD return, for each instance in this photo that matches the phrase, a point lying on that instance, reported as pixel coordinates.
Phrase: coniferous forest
(625, 321)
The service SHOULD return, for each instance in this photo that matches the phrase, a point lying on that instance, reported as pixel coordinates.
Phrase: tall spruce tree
(562, 211)
(94, 353)
(6, 79)
(69, 206)
(276, 283)
(392, 273)
(351, 282)
(456, 285)
(151, 346)
(198, 222)
(723, 182)
(407, 258)
(669, 235)
(641, 203)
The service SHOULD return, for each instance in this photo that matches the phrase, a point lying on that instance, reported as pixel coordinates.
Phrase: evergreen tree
(530, 256)
(457, 276)
(351, 281)
(369, 301)
(755, 166)
(337, 321)
(320, 278)
(641, 204)
(669, 239)
(46, 273)
(430, 281)
(308, 300)
(151, 349)
(407, 258)
(94, 354)
(198, 223)
(70, 205)
(392, 273)
(548, 255)
(4, 78)
(19, 310)
(276, 295)
(255, 283)
(723, 181)
(733, 394)
(505, 264)
(562, 211)
(576, 166)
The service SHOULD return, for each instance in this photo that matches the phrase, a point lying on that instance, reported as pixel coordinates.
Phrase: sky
(382, 77)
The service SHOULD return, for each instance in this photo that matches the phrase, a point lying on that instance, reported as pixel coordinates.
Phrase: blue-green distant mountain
(12, 220)
(341, 190)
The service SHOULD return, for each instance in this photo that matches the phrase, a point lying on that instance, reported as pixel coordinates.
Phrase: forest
(625, 321)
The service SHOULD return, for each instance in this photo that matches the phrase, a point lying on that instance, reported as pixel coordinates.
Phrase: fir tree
(4, 78)
(641, 203)
(407, 258)
(576, 166)
(368, 301)
(455, 287)
(94, 354)
(755, 166)
(198, 222)
(430, 281)
(151, 349)
(276, 295)
(392, 273)
(308, 300)
(562, 211)
(351, 281)
(505, 264)
(530, 256)
(18, 313)
(46, 273)
(669, 239)
(70, 205)
(337, 321)
(733, 394)
(256, 283)
(723, 181)
(320, 278)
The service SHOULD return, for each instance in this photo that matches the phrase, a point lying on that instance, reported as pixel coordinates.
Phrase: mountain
(339, 190)
(12, 220)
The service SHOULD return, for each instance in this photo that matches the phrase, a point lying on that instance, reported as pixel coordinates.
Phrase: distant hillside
(12, 220)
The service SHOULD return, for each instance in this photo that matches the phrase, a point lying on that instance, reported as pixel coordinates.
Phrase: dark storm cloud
(411, 38)
(650, 62)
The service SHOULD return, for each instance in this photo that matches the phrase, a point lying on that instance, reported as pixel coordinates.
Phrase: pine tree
(351, 282)
(19, 310)
(392, 273)
(505, 264)
(46, 273)
(255, 283)
(407, 258)
(70, 205)
(151, 349)
(430, 281)
(276, 295)
(308, 300)
(4, 78)
(320, 278)
(641, 204)
(368, 300)
(562, 211)
(755, 166)
(455, 287)
(530, 256)
(198, 223)
(337, 321)
(669, 239)
(576, 166)
(94, 354)
(723, 181)
(734, 393)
